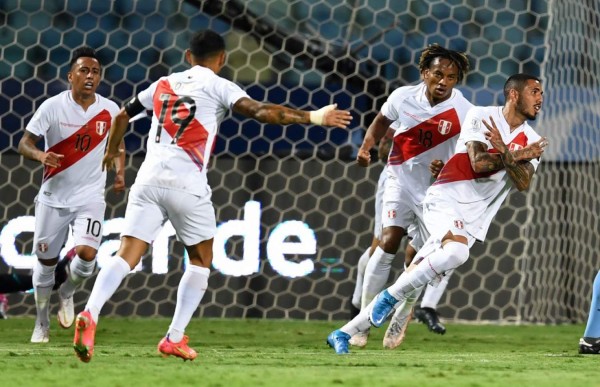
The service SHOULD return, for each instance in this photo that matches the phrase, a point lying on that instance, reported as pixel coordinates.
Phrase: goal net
(295, 211)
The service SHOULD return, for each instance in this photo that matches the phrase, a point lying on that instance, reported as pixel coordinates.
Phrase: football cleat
(430, 317)
(589, 345)
(85, 332)
(396, 331)
(360, 339)
(382, 308)
(168, 348)
(41, 333)
(338, 340)
(66, 311)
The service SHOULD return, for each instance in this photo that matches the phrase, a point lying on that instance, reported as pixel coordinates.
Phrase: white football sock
(360, 323)
(377, 273)
(450, 256)
(360, 274)
(43, 281)
(78, 271)
(109, 278)
(406, 307)
(192, 287)
(433, 294)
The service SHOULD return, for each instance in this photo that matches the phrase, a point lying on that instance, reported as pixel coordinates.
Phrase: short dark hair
(83, 52)
(436, 51)
(206, 43)
(518, 82)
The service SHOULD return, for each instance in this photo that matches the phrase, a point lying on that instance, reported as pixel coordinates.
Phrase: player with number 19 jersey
(423, 133)
(80, 135)
(187, 109)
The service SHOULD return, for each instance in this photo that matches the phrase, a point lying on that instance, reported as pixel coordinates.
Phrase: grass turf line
(250, 352)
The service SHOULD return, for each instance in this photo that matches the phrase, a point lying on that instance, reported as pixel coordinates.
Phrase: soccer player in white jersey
(496, 150)
(172, 184)
(75, 126)
(427, 118)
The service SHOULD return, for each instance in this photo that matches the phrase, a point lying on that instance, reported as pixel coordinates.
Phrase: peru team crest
(42, 247)
(101, 127)
(444, 127)
(513, 147)
(459, 224)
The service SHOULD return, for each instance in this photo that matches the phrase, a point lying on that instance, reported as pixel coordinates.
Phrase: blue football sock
(592, 329)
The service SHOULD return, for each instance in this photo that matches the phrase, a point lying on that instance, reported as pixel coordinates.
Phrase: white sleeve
(40, 122)
(390, 108)
(227, 92)
(146, 96)
(473, 128)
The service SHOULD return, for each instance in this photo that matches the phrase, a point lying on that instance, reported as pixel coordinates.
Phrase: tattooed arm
(519, 171)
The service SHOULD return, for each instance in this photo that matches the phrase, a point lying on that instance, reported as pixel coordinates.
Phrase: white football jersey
(423, 133)
(187, 109)
(81, 137)
(478, 196)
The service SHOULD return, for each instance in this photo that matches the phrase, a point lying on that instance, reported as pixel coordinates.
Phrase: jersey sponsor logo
(101, 127)
(444, 127)
(391, 214)
(424, 136)
(459, 224)
(42, 247)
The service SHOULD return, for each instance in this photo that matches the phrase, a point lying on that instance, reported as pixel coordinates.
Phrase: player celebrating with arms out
(75, 126)
(497, 150)
(172, 182)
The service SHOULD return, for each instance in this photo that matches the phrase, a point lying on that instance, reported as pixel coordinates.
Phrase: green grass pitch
(293, 353)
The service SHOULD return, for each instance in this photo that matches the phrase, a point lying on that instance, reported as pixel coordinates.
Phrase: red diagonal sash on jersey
(459, 168)
(80, 143)
(194, 137)
(424, 136)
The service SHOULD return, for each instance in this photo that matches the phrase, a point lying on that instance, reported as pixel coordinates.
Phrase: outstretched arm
(277, 114)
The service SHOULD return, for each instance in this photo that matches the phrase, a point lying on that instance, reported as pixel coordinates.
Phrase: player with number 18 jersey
(422, 133)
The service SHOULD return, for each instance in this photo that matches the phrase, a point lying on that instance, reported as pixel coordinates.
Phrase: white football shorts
(399, 207)
(149, 207)
(442, 215)
(52, 227)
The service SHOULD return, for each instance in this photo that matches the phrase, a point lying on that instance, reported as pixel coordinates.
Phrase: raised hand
(494, 137)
